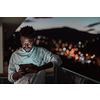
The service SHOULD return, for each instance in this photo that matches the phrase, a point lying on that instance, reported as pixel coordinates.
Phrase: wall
(1, 48)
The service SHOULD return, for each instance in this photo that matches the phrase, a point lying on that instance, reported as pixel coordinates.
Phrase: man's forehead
(26, 39)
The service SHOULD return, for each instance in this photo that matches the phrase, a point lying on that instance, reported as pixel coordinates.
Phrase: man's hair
(27, 31)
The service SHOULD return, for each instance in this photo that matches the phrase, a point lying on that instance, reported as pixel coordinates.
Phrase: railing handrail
(81, 75)
(3, 74)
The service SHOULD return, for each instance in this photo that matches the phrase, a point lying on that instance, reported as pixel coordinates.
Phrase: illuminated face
(27, 43)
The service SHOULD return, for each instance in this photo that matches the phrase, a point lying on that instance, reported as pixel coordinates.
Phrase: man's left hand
(34, 69)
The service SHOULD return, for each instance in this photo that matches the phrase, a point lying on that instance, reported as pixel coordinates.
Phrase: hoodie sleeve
(11, 69)
(50, 57)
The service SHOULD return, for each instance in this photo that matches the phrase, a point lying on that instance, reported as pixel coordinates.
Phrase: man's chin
(27, 50)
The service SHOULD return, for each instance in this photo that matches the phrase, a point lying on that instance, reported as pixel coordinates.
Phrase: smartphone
(23, 66)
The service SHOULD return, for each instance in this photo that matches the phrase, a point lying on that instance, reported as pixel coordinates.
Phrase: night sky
(89, 24)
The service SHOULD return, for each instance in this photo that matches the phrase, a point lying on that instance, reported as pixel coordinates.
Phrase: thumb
(27, 69)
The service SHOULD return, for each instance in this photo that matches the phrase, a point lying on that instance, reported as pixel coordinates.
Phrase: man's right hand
(22, 72)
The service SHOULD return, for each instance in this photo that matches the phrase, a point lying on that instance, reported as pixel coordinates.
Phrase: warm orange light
(72, 51)
(67, 51)
(65, 54)
(19, 47)
(75, 49)
(57, 45)
(60, 49)
(69, 47)
(88, 57)
(93, 55)
(79, 52)
(44, 37)
(43, 41)
(63, 45)
(66, 44)
(73, 55)
(13, 35)
(9, 48)
(86, 54)
(56, 49)
(37, 43)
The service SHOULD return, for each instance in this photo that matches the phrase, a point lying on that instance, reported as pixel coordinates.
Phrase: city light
(94, 55)
(82, 46)
(19, 47)
(44, 37)
(86, 54)
(9, 48)
(39, 37)
(13, 35)
(67, 49)
(64, 49)
(12, 50)
(79, 52)
(79, 42)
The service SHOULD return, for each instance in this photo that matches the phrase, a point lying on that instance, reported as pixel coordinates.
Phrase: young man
(37, 59)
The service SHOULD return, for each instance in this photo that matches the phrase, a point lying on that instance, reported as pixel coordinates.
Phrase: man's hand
(28, 68)
(34, 69)
(22, 72)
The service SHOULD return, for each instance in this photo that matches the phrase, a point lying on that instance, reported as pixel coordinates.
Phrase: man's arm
(36, 69)
(46, 66)
(21, 72)
(48, 56)
(12, 74)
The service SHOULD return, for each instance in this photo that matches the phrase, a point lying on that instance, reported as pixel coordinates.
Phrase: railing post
(55, 74)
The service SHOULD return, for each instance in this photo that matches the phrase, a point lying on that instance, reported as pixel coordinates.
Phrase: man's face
(27, 43)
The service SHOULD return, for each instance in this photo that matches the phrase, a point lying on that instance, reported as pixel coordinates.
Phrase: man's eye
(26, 43)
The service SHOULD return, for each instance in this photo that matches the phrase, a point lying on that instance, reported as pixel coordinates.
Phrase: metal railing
(66, 76)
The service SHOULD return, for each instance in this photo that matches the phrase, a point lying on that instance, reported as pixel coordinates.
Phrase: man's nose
(26, 45)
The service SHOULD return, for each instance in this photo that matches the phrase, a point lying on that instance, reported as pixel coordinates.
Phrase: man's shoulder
(17, 52)
(41, 49)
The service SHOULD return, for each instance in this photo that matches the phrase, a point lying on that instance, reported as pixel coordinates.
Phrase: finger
(27, 69)
(22, 70)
